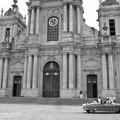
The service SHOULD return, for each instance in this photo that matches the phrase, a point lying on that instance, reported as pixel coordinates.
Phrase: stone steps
(44, 101)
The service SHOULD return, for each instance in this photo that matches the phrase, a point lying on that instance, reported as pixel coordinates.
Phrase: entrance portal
(92, 86)
(17, 86)
(51, 78)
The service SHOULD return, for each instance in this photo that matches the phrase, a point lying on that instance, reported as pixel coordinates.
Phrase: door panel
(51, 84)
(17, 86)
(92, 86)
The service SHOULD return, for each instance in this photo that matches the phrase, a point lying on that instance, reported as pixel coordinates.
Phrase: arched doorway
(17, 86)
(91, 86)
(51, 78)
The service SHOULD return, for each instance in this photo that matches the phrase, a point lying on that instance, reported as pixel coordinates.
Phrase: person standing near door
(81, 95)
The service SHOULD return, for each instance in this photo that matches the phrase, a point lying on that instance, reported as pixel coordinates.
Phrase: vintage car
(109, 107)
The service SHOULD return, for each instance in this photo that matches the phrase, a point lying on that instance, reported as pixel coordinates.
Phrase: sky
(90, 7)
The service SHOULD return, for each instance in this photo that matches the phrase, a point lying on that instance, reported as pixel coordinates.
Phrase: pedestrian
(99, 100)
(107, 100)
(81, 95)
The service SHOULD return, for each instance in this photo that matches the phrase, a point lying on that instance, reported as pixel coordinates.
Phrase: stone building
(57, 54)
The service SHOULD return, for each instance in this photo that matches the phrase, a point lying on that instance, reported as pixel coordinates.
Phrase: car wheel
(91, 111)
(87, 111)
(118, 111)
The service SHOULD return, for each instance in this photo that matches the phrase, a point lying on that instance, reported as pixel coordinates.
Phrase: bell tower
(11, 23)
(109, 17)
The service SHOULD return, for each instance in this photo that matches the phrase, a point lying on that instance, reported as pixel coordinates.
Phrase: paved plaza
(50, 112)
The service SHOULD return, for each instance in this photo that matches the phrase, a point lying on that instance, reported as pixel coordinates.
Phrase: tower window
(112, 27)
(53, 29)
(7, 34)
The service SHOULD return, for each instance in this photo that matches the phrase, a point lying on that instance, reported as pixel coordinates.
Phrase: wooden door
(51, 81)
(17, 86)
(92, 86)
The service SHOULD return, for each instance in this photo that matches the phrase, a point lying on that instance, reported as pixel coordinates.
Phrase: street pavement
(50, 112)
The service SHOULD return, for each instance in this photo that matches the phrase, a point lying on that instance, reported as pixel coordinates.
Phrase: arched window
(53, 29)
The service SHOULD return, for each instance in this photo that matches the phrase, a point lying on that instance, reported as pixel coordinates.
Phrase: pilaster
(1, 72)
(25, 72)
(35, 72)
(11, 33)
(117, 26)
(78, 19)
(104, 71)
(29, 19)
(79, 71)
(64, 70)
(29, 73)
(71, 71)
(5, 73)
(65, 18)
(37, 20)
(3, 33)
(32, 20)
(111, 75)
(71, 17)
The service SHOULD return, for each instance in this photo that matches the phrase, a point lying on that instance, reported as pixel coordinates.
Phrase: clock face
(53, 21)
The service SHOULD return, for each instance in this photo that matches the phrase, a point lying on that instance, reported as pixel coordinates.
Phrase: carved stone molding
(91, 70)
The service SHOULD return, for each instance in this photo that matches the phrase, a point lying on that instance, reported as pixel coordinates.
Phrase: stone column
(70, 17)
(65, 18)
(35, 72)
(32, 21)
(25, 73)
(111, 75)
(0, 33)
(1, 71)
(78, 19)
(5, 74)
(116, 26)
(29, 72)
(107, 24)
(78, 71)
(64, 70)
(28, 25)
(11, 33)
(37, 20)
(71, 71)
(15, 31)
(104, 71)
(3, 33)
(118, 65)
(101, 25)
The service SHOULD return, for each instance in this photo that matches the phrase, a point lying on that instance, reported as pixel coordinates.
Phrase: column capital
(35, 55)
(110, 53)
(71, 3)
(29, 9)
(33, 7)
(65, 3)
(6, 57)
(71, 53)
(78, 54)
(1, 57)
(26, 56)
(37, 6)
(30, 55)
(78, 6)
(64, 53)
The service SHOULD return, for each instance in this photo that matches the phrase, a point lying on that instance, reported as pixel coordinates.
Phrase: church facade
(57, 55)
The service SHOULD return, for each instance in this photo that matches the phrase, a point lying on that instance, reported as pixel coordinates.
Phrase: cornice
(110, 44)
(89, 46)
(18, 50)
(51, 47)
